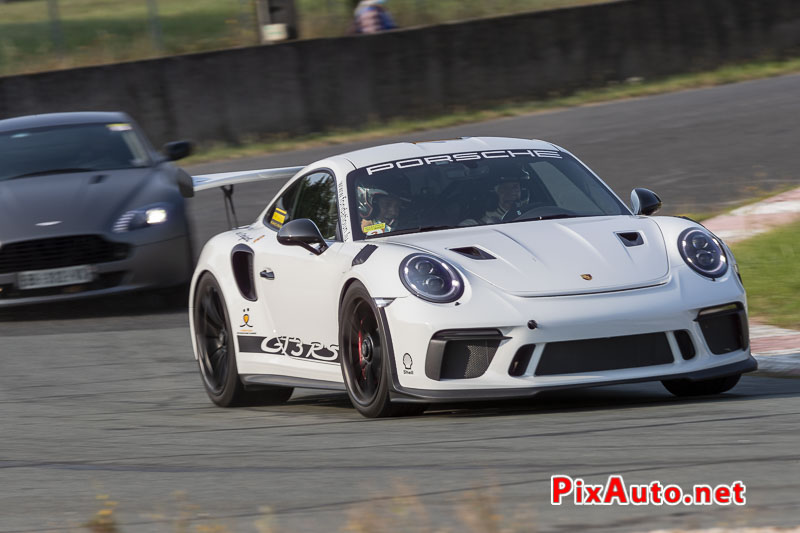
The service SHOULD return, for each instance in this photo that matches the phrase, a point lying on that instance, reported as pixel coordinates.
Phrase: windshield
(75, 148)
(474, 189)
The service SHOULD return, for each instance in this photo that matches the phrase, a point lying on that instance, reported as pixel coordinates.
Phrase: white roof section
(409, 150)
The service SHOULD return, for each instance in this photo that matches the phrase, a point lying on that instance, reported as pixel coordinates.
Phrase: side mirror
(645, 202)
(177, 150)
(185, 183)
(302, 232)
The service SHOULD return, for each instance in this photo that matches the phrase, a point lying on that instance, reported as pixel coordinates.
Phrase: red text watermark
(616, 492)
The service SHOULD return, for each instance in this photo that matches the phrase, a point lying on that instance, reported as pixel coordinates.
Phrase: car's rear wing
(226, 180)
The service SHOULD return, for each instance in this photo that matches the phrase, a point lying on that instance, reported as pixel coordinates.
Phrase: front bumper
(664, 310)
(154, 265)
(403, 394)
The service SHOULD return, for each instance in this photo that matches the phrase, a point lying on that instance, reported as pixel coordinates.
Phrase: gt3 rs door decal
(290, 347)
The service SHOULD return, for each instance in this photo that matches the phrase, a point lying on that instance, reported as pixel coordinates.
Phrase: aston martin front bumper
(153, 265)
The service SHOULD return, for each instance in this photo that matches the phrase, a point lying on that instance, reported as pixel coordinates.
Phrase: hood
(84, 202)
(553, 257)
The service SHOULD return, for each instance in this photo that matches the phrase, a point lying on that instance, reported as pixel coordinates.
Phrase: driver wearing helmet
(509, 195)
(378, 210)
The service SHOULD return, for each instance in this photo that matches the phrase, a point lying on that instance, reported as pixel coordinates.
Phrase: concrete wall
(314, 85)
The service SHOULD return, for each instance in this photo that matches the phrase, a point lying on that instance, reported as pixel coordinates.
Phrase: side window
(312, 197)
(281, 211)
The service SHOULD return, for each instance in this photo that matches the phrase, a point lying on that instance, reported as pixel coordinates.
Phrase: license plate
(55, 277)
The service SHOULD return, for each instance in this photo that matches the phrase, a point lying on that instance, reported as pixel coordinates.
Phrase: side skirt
(256, 381)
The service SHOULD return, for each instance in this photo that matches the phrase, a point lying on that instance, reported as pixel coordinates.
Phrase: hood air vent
(631, 238)
(473, 253)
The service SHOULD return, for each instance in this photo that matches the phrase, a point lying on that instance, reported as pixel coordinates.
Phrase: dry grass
(97, 32)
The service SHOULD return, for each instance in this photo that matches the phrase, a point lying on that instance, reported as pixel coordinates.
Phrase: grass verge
(769, 265)
(630, 89)
(34, 38)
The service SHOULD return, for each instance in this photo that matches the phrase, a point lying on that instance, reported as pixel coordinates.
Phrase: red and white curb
(776, 349)
(756, 218)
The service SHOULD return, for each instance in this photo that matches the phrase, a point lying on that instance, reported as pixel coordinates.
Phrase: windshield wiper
(419, 229)
(52, 171)
(549, 217)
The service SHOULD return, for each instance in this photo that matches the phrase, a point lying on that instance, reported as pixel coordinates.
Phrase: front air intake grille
(461, 354)
(467, 359)
(521, 360)
(685, 344)
(725, 328)
(611, 353)
(58, 252)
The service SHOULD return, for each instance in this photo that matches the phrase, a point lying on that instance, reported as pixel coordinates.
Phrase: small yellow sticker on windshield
(278, 217)
(379, 226)
(119, 127)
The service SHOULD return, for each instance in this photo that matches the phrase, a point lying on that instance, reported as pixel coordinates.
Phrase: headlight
(431, 279)
(703, 252)
(141, 218)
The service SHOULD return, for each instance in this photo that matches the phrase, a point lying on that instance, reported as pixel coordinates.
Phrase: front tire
(366, 364)
(685, 387)
(216, 356)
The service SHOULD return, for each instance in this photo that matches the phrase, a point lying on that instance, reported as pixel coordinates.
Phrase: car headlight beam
(703, 252)
(140, 218)
(431, 278)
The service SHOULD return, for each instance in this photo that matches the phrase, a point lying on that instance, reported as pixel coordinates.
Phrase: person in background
(371, 16)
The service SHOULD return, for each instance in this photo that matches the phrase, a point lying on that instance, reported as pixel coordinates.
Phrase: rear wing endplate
(226, 180)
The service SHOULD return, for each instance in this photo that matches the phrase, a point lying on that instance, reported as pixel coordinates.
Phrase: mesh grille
(612, 353)
(59, 252)
(467, 358)
(723, 333)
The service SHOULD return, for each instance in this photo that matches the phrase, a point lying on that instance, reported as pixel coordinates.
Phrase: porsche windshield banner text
(615, 492)
(464, 156)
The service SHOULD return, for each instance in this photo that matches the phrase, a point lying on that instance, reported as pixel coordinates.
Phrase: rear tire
(685, 387)
(365, 357)
(216, 355)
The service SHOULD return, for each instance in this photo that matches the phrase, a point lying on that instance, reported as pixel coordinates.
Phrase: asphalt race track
(103, 398)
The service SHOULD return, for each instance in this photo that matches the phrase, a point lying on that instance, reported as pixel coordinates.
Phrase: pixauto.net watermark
(615, 492)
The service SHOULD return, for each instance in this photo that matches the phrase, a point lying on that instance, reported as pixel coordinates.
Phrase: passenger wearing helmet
(507, 197)
(378, 210)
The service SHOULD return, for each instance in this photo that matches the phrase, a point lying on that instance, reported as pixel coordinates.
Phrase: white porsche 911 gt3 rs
(461, 270)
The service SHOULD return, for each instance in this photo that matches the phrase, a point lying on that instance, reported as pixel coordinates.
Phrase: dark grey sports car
(88, 207)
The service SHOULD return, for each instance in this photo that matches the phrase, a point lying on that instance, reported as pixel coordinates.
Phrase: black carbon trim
(253, 381)
(362, 256)
(401, 394)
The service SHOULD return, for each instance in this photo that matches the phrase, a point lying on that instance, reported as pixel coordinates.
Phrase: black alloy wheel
(215, 352)
(365, 357)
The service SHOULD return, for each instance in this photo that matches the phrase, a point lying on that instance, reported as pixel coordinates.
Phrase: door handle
(267, 274)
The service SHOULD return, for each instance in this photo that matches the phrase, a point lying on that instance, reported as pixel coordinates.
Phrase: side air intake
(242, 264)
